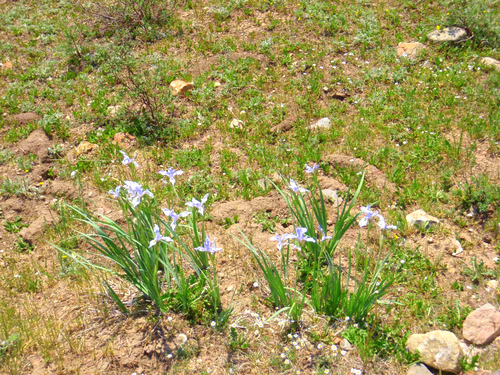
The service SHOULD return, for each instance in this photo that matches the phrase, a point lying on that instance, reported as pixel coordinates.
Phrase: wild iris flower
(158, 237)
(115, 193)
(312, 169)
(281, 240)
(127, 160)
(296, 188)
(371, 215)
(383, 225)
(324, 237)
(200, 205)
(301, 236)
(208, 246)
(135, 192)
(174, 216)
(171, 173)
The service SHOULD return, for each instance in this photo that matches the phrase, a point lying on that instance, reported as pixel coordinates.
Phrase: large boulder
(438, 349)
(482, 326)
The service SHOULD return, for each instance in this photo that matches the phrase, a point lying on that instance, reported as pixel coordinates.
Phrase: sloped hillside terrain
(249, 187)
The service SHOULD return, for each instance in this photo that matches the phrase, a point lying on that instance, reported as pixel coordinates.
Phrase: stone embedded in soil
(418, 369)
(236, 124)
(323, 123)
(421, 218)
(332, 196)
(482, 325)
(492, 285)
(113, 110)
(124, 140)
(37, 143)
(447, 34)
(180, 87)
(35, 229)
(438, 349)
(409, 50)
(489, 61)
(84, 148)
(180, 339)
(7, 65)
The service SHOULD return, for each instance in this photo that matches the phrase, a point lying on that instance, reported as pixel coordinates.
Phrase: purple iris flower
(383, 225)
(127, 159)
(135, 192)
(312, 169)
(301, 236)
(174, 216)
(200, 205)
(296, 188)
(324, 237)
(171, 173)
(281, 240)
(369, 216)
(208, 246)
(115, 193)
(158, 237)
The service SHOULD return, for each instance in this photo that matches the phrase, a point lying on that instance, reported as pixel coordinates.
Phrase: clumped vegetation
(213, 229)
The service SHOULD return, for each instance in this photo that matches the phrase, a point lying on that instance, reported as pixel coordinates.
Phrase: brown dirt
(374, 176)
(36, 143)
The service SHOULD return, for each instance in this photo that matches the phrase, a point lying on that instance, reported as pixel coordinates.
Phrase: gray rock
(447, 34)
(323, 123)
(482, 325)
(438, 349)
(332, 196)
(421, 218)
(346, 345)
(489, 61)
(418, 369)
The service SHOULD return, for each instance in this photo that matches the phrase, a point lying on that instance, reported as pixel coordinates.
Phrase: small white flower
(213, 324)
(343, 352)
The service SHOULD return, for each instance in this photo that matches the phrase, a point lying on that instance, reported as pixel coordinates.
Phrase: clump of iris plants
(320, 279)
(166, 255)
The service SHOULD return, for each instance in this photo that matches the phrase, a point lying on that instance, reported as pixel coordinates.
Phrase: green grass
(431, 126)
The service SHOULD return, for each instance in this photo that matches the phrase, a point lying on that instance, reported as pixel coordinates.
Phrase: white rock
(447, 34)
(236, 124)
(489, 61)
(181, 339)
(418, 369)
(438, 349)
(421, 218)
(492, 284)
(324, 123)
(332, 196)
